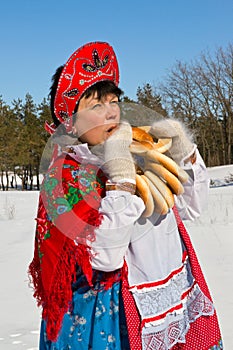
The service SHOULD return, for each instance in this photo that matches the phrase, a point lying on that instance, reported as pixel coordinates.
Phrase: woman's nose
(111, 112)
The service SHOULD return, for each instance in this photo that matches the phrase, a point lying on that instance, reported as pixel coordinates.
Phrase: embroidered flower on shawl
(74, 173)
(84, 182)
(95, 185)
(50, 181)
(61, 209)
(72, 197)
(77, 172)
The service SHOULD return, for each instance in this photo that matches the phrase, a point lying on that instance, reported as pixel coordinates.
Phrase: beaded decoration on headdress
(91, 63)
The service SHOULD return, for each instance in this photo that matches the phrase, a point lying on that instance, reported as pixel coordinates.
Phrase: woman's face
(96, 120)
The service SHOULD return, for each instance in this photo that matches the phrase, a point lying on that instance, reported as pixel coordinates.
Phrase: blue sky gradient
(149, 36)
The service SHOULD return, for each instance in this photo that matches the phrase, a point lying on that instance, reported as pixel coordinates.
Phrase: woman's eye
(97, 106)
(114, 103)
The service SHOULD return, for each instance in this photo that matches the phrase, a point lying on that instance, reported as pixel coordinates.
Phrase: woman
(106, 276)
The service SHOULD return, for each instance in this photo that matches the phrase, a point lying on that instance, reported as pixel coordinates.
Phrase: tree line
(22, 141)
(200, 93)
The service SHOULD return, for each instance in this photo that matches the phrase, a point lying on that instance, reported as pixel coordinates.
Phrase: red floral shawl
(67, 217)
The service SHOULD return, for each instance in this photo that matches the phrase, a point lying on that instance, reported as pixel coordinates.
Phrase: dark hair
(103, 88)
(53, 89)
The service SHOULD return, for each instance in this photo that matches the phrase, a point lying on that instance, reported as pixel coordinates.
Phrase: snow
(212, 236)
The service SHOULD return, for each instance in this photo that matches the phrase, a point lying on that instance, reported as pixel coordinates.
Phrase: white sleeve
(194, 199)
(120, 211)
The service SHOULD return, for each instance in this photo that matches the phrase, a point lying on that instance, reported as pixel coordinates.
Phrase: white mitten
(182, 140)
(118, 161)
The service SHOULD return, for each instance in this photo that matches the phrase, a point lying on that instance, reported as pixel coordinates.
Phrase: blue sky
(148, 36)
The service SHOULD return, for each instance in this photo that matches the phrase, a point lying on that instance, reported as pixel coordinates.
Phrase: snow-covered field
(212, 235)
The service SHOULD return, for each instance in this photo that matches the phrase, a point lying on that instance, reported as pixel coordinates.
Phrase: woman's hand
(182, 140)
(118, 161)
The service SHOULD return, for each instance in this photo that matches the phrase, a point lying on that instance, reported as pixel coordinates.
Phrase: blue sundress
(96, 321)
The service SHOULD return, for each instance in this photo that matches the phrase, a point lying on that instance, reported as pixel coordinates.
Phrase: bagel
(145, 128)
(138, 148)
(143, 191)
(163, 145)
(149, 145)
(160, 204)
(162, 187)
(168, 163)
(171, 180)
(141, 135)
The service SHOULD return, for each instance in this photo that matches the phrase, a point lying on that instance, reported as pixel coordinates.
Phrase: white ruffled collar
(82, 154)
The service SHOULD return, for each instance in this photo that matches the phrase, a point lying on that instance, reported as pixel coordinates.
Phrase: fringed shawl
(67, 217)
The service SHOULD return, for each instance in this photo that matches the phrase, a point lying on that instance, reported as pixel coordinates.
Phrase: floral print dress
(97, 320)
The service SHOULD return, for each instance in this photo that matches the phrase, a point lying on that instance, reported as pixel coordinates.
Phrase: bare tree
(200, 93)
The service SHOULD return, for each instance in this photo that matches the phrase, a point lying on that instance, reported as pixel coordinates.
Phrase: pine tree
(9, 129)
(147, 97)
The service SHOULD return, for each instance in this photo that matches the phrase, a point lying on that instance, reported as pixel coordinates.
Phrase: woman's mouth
(111, 129)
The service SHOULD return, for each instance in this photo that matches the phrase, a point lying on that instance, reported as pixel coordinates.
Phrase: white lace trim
(155, 301)
(168, 307)
(166, 338)
(174, 330)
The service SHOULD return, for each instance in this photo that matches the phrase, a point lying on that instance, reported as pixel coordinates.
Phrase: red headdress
(91, 63)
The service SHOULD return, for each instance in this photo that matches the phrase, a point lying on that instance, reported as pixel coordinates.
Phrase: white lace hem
(167, 308)
(173, 330)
